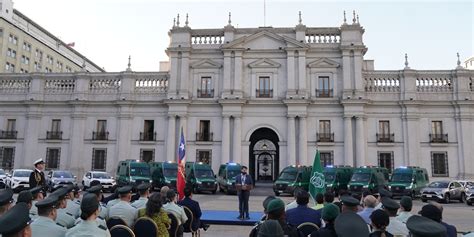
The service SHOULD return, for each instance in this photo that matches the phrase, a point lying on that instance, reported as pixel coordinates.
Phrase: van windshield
(330, 177)
(204, 174)
(360, 177)
(170, 172)
(402, 177)
(232, 173)
(139, 171)
(438, 185)
(288, 175)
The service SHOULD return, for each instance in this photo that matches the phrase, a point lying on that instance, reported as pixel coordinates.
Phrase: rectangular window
(147, 155)
(327, 158)
(437, 127)
(386, 160)
(9, 67)
(56, 125)
(204, 156)
(439, 164)
(101, 132)
(324, 87)
(205, 90)
(12, 39)
(11, 125)
(437, 134)
(25, 60)
(11, 53)
(7, 157)
(264, 90)
(26, 46)
(99, 159)
(52, 158)
(384, 132)
(148, 133)
(55, 133)
(324, 134)
(204, 133)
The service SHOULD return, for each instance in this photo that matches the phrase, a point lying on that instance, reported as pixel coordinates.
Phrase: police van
(368, 178)
(201, 177)
(408, 181)
(337, 177)
(132, 172)
(226, 177)
(163, 174)
(292, 177)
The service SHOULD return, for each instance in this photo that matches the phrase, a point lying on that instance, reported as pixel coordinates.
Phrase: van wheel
(423, 199)
(195, 190)
(468, 203)
(277, 194)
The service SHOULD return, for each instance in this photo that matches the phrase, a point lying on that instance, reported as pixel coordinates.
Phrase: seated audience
(328, 214)
(369, 205)
(302, 213)
(379, 222)
(155, 211)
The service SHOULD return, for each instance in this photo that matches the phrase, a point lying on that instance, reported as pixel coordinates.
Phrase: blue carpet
(229, 218)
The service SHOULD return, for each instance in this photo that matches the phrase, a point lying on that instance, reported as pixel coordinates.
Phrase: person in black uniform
(37, 176)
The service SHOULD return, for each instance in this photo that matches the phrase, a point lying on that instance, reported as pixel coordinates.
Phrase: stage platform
(229, 218)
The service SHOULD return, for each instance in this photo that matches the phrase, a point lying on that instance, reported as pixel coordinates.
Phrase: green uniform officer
(89, 226)
(6, 200)
(143, 190)
(73, 206)
(97, 190)
(45, 225)
(123, 209)
(16, 221)
(420, 226)
(64, 218)
(349, 224)
(37, 196)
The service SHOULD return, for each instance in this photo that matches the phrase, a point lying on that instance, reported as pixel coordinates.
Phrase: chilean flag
(181, 179)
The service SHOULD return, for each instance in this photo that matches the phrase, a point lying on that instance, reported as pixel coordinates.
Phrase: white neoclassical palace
(264, 97)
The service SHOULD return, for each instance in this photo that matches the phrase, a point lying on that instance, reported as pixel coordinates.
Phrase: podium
(244, 187)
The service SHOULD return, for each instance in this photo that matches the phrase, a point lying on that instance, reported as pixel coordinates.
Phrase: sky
(108, 31)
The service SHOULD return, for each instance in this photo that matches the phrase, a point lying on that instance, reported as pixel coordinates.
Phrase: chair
(173, 230)
(307, 228)
(145, 227)
(115, 220)
(188, 226)
(121, 231)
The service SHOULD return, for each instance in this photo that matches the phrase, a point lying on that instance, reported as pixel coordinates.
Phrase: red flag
(71, 44)
(181, 179)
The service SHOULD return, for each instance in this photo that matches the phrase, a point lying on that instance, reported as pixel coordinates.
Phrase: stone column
(184, 86)
(123, 139)
(225, 148)
(302, 73)
(238, 73)
(360, 141)
(76, 145)
(291, 149)
(30, 146)
(227, 72)
(290, 61)
(348, 149)
(237, 146)
(413, 141)
(171, 138)
(303, 142)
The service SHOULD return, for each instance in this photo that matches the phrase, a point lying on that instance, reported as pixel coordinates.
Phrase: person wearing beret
(382, 193)
(395, 227)
(144, 191)
(420, 226)
(303, 213)
(37, 196)
(97, 190)
(379, 222)
(6, 200)
(16, 222)
(37, 176)
(270, 228)
(349, 204)
(276, 211)
(26, 197)
(349, 224)
(89, 226)
(45, 225)
(73, 206)
(123, 209)
(328, 214)
(405, 209)
(64, 218)
(434, 211)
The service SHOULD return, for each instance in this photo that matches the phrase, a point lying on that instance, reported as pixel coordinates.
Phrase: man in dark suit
(303, 213)
(194, 207)
(37, 176)
(244, 184)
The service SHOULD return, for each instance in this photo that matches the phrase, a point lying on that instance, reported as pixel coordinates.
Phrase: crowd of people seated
(363, 215)
(63, 212)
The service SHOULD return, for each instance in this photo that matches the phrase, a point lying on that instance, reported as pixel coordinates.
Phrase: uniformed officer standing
(37, 196)
(349, 224)
(6, 200)
(89, 226)
(97, 190)
(26, 197)
(349, 204)
(73, 206)
(143, 190)
(420, 226)
(16, 222)
(123, 209)
(37, 176)
(45, 225)
(64, 218)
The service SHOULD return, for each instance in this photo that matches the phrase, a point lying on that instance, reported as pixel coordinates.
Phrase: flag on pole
(181, 179)
(71, 44)
(317, 183)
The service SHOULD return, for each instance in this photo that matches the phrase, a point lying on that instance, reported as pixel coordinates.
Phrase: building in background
(26, 47)
(469, 63)
(264, 97)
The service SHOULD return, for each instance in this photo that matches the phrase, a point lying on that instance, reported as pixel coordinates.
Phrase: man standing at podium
(244, 184)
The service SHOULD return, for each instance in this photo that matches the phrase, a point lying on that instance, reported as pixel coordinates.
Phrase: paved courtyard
(458, 214)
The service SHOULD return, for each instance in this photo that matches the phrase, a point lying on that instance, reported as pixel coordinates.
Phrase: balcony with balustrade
(8, 135)
(147, 136)
(54, 135)
(324, 93)
(385, 137)
(325, 137)
(204, 136)
(205, 93)
(264, 93)
(438, 138)
(100, 136)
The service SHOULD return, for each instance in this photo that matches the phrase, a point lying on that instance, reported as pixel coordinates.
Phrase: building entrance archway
(264, 155)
